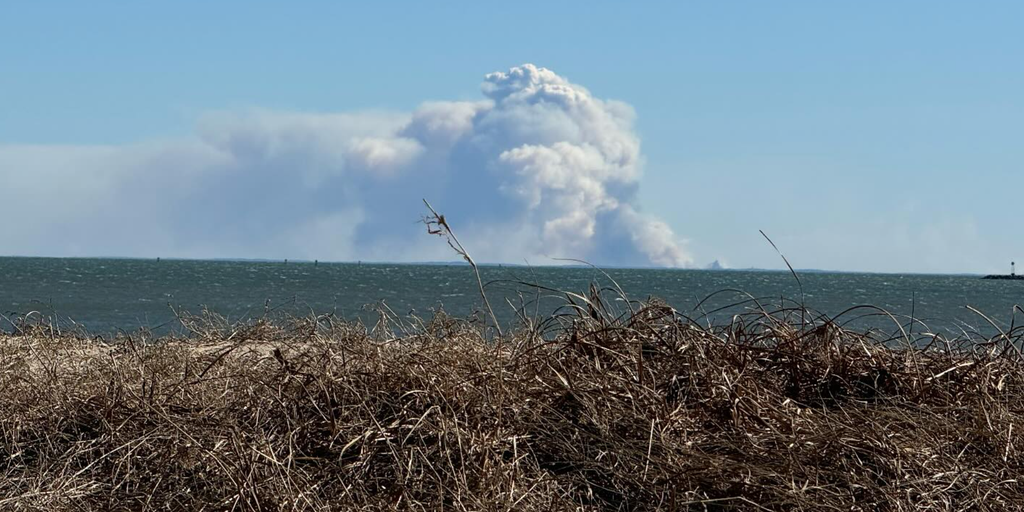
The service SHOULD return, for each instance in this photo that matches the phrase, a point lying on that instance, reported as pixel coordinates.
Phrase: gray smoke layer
(537, 169)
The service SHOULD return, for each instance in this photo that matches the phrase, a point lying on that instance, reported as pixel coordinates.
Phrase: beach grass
(632, 407)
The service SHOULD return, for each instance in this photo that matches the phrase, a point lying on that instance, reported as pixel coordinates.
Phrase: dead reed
(590, 408)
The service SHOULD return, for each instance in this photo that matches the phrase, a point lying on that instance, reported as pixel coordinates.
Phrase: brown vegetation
(584, 410)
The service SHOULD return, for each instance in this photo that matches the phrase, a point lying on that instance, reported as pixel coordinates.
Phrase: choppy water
(109, 294)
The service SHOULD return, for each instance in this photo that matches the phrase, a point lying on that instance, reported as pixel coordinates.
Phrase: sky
(871, 136)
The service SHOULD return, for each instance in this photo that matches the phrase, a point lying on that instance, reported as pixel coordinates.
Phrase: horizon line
(490, 264)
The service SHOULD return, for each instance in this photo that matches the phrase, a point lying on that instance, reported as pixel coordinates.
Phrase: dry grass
(584, 410)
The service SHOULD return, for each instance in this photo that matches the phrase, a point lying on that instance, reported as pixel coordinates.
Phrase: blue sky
(872, 136)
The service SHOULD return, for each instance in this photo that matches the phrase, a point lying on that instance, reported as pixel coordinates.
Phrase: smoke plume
(537, 168)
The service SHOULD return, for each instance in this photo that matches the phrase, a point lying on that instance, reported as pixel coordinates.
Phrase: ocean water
(105, 295)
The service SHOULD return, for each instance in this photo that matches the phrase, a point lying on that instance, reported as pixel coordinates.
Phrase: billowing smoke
(537, 169)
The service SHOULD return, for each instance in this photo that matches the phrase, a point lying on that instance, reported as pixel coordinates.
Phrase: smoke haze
(537, 168)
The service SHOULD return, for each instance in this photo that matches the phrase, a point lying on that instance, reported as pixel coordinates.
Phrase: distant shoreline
(491, 265)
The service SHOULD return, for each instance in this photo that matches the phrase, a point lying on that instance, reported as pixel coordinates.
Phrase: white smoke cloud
(538, 168)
